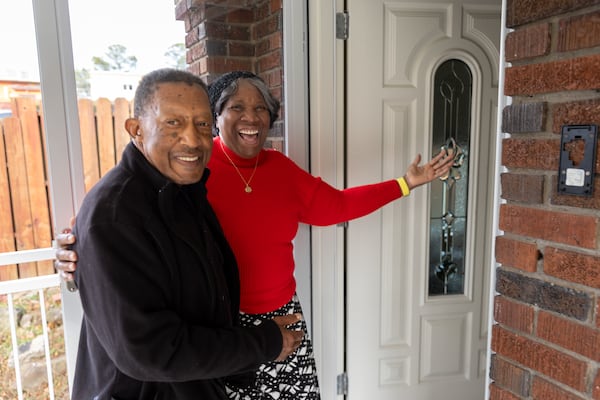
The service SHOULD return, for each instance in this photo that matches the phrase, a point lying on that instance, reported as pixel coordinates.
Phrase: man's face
(175, 132)
(244, 121)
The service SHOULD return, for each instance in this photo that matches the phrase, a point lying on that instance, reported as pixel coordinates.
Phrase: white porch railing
(9, 289)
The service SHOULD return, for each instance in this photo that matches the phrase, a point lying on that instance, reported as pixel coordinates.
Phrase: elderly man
(158, 281)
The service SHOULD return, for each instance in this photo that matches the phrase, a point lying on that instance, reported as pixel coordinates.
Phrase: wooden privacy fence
(25, 212)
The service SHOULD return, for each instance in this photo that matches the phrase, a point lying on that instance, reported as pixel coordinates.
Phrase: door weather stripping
(342, 20)
(342, 384)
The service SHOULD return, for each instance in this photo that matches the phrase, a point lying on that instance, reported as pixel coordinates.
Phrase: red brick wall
(546, 336)
(229, 35)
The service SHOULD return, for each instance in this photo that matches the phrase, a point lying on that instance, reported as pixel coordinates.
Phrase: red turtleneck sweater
(261, 225)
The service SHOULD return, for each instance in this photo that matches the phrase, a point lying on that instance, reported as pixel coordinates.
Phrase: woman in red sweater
(260, 196)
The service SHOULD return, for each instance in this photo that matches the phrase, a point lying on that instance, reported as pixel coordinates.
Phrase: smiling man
(158, 281)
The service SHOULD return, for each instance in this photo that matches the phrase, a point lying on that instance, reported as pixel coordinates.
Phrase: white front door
(403, 341)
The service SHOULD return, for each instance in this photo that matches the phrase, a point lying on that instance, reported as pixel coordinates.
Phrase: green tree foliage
(116, 60)
(82, 82)
(176, 56)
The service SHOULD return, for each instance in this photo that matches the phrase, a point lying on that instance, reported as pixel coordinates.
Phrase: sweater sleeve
(326, 205)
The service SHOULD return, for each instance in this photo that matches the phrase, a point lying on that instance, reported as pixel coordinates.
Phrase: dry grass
(27, 311)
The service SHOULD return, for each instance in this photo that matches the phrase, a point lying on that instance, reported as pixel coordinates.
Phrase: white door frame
(61, 121)
(326, 107)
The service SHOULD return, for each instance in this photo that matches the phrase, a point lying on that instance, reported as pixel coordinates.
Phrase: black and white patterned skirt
(292, 379)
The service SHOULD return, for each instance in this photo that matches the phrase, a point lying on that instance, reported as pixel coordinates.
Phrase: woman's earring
(138, 133)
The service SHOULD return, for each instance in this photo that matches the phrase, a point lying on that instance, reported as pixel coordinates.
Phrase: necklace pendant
(248, 189)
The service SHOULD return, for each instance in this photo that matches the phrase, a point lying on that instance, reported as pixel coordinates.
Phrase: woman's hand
(439, 166)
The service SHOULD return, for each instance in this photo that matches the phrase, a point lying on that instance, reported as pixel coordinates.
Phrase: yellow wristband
(403, 186)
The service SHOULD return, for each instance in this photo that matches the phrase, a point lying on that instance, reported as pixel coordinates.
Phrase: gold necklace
(247, 189)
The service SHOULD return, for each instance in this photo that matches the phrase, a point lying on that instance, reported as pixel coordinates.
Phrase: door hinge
(342, 21)
(342, 384)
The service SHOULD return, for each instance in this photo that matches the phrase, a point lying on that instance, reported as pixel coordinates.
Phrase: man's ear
(132, 125)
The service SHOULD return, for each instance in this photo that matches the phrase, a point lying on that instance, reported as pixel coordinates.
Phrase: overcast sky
(147, 28)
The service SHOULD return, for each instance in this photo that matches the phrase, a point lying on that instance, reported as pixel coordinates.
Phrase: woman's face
(244, 121)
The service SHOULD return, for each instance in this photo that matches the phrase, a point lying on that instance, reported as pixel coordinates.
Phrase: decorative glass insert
(448, 210)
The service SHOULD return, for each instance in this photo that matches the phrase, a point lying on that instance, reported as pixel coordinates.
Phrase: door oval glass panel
(448, 208)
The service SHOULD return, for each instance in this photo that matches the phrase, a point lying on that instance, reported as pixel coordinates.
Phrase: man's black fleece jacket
(160, 292)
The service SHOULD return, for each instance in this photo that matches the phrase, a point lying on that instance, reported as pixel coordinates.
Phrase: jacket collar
(134, 160)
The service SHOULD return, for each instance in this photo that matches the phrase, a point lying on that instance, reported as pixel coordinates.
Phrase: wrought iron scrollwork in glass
(448, 208)
(447, 268)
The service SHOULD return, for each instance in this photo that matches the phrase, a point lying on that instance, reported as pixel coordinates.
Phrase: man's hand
(291, 338)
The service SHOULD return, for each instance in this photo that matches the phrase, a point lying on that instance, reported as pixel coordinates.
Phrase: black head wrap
(223, 82)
